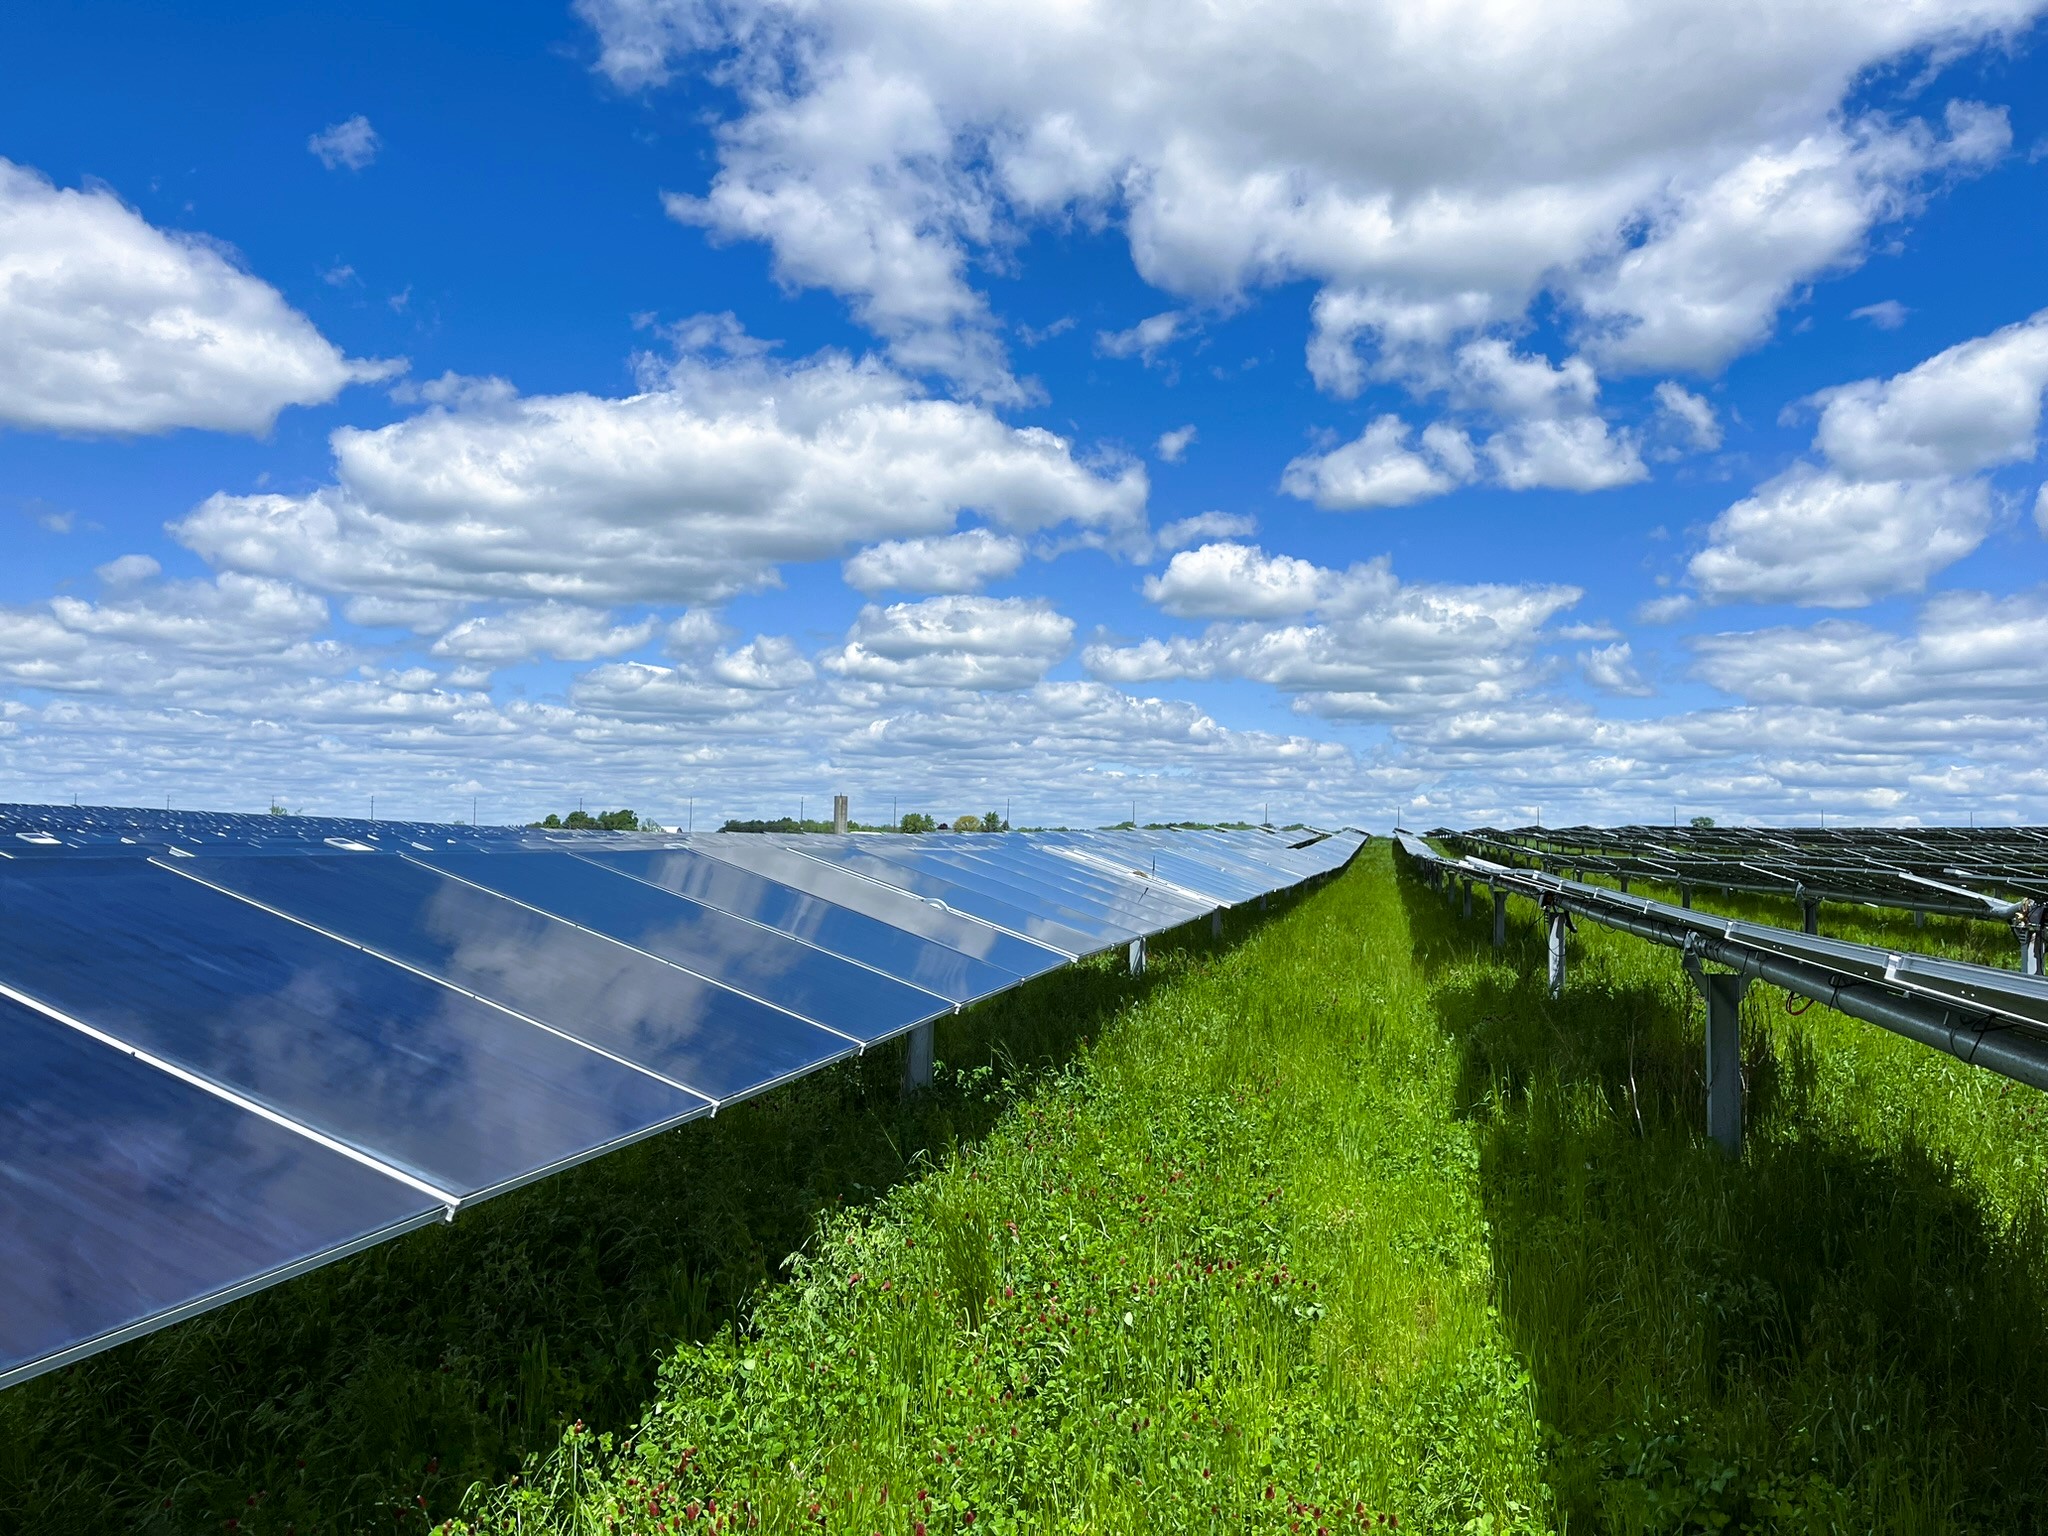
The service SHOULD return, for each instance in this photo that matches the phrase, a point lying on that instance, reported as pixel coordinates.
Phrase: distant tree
(991, 822)
(968, 823)
(1703, 822)
(583, 821)
(918, 821)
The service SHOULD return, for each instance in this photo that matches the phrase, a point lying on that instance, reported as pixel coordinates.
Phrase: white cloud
(1186, 531)
(1678, 194)
(1902, 494)
(1173, 446)
(1241, 581)
(955, 642)
(689, 492)
(1573, 453)
(1377, 648)
(1612, 669)
(957, 562)
(1885, 314)
(1147, 339)
(1378, 468)
(563, 630)
(1975, 406)
(352, 144)
(1690, 415)
(109, 325)
(767, 663)
(127, 570)
(1815, 537)
(1967, 649)
(1721, 259)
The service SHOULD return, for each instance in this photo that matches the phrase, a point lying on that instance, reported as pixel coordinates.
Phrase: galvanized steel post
(1560, 924)
(1723, 991)
(917, 1061)
(1137, 957)
(1500, 920)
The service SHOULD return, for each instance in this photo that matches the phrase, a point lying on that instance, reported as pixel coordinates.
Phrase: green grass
(1340, 1223)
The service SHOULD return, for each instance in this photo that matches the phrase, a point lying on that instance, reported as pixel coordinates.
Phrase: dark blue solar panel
(673, 1022)
(1016, 913)
(126, 1195)
(858, 1002)
(839, 930)
(456, 1092)
(1125, 900)
(885, 903)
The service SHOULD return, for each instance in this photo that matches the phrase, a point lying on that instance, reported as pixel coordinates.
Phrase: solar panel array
(238, 1047)
(1970, 872)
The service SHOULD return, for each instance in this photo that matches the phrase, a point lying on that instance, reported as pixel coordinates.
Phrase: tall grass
(1342, 1223)
(1230, 1270)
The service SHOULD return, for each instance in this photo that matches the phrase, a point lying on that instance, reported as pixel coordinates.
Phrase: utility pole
(472, 813)
(690, 821)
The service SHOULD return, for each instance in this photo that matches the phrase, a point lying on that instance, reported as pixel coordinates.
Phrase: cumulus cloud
(110, 325)
(1185, 531)
(1378, 468)
(955, 642)
(1690, 416)
(351, 144)
(1967, 649)
(1363, 644)
(1902, 494)
(765, 664)
(1975, 406)
(958, 562)
(1146, 340)
(688, 492)
(1612, 669)
(1816, 537)
(1721, 258)
(1173, 446)
(1675, 199)
(1239, 581)
(566, 631)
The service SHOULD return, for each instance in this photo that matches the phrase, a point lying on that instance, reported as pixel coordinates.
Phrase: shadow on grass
(369, 1394)
(1817, 1336)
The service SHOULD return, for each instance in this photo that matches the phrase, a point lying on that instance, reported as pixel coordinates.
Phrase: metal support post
(1920, 918)
(1468, 900)
(1624, 885)
(1685, 897)
(1811, 912)
(1137, 957)
(2028, 920)
(917, 1062)
(1723, 991)
(1216, 924)
(1500, 920)
(1560, 925)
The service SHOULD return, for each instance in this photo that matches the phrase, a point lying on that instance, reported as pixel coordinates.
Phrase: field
(1337, 1224)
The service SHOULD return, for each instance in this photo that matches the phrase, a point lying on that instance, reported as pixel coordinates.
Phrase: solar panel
(128, 1196)
(885, 903)
(672, 1021)
(909, 957)
(239, 1046)
(755, 962)
(1050, 926)
(459, 1096)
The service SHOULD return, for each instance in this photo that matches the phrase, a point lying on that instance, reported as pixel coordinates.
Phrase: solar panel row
(239, 1047)
(1975, 872)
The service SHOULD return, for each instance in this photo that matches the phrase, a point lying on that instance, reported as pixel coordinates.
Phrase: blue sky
(1488, 411)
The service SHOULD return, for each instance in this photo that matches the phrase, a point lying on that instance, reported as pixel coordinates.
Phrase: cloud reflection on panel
(457, 1093)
